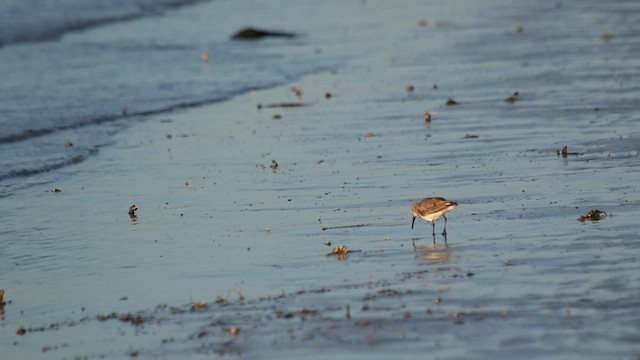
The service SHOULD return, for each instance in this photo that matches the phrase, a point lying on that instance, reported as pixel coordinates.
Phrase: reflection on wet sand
(432, 254)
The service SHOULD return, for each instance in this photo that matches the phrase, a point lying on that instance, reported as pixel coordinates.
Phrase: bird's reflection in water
(432, 254)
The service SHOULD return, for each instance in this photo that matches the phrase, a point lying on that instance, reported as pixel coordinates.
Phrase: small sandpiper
(432, 209)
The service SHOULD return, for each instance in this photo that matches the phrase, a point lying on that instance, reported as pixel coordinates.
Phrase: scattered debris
(338, 250)
(2, 302)
(519, 28)
(369, 135)
(68, 144)
(565, 152)
(410, 88)
(327, 95)
(199, 305)
(422, 22)
(427, 116)
(274, 164)
(277, 116)
(298, 91)
(221, 301)
(132, 211)
(451, 102)
(513, 98)
(593, 215)
(199, 335)
(56, 190)
(234, 331)
(302, 314)
(205, 57)
(341, 250)
(470, 136)
(135, 320)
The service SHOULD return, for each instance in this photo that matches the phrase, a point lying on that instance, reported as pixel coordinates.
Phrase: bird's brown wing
(433, 205)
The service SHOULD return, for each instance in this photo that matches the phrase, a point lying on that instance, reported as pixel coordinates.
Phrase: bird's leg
(444, 232)
(433, 228)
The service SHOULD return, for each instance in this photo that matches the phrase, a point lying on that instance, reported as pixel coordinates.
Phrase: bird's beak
(413, 221)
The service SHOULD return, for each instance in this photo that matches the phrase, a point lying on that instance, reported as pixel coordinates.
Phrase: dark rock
(250, 33)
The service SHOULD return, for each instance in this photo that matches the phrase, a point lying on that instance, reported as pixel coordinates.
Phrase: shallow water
(518, 275)
(85, 86)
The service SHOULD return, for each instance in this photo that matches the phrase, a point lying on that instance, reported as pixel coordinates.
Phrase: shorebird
(432, 209)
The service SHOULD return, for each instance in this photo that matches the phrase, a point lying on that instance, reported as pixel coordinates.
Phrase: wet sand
(227, 255)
